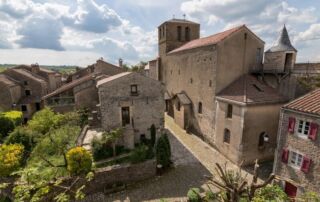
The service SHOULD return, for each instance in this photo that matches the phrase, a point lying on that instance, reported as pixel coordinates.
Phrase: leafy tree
(10, 158)
(15, 116)
(6, 126)
(79, 161)
(45, 120)
(309, 197)
(23, 136)
(163, 153)
(272, 193)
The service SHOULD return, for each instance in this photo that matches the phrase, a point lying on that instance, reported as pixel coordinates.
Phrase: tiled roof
(205, 41)
(181, 21)
(249, 90)
(183, 98)
(70, 85)
(111, 78)
(284, 43)
(309, 103)
(28, 74)
(7, 81)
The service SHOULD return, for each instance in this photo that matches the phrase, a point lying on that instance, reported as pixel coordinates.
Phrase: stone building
(132, 101)
(247, 120)
(297, 159)
(23, 86)
(196, 69)
(80, 90)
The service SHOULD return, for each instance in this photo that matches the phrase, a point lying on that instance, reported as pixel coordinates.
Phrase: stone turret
(282, 56)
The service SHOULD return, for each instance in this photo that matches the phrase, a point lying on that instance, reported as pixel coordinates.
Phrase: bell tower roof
(283, 43)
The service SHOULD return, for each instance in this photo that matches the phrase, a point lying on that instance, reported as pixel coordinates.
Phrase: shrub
(22, 136)
(15, 116)
(10, 158)
(163, 151)
(270, 193)
(79, 161)
(100, 149)
(210, 196)
(6, 126)
(194, 195)
(311, 196)
(44, 120)
(139, 154)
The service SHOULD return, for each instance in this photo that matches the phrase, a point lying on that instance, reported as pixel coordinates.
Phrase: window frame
(229, 113)
(226, 136)
(303, 132)
(134, 89)
(297, 164)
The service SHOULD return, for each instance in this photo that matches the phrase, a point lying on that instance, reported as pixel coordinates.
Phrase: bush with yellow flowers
(11, 157)
(79, 161)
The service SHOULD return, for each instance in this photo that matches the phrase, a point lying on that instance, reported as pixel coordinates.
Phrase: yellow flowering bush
(79, 161)
(10, 158)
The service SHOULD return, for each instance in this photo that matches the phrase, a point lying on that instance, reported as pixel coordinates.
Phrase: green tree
(309, 197)
(21, 135)
(15, 116)
(45, 120)
(271, 193)
(79, 161)
(163, 153)
(6, 126)
(10, 158)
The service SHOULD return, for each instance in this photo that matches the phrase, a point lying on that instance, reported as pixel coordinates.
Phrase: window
(210, 83)
(264, 137)
(178, 106)
(25, 83)
(226, 136)
(303, 128)
(229, 111)
(187, 34)
(258, 56)
(23, 108)
(295, 159)
(134, 89)
(27, 92)
(160, 33)
(125, 114)
(179, 33)
(191, 80)
(200, 108)
(38, 106)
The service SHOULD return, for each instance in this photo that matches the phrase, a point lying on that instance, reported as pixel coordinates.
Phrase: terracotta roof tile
(255, 92)
(70, 85)
(309, 103)
(205, 41)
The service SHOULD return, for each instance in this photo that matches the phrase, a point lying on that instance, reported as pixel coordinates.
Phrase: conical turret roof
(284, 43)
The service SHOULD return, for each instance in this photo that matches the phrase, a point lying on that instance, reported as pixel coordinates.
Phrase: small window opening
(200, 108)
(134, 89)
(226, 136)
(229, 111)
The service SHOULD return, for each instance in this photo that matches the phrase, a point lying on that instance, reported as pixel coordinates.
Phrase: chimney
(120, 62)
(35, 68)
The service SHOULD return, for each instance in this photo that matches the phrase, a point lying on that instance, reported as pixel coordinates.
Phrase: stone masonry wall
(311, 180)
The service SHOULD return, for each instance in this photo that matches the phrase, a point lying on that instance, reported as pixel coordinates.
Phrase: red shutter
(285, 155)
(291, 125)
(313, 131)
(306, 163)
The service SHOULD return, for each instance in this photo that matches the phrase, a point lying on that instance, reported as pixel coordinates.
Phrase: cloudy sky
(78, 32)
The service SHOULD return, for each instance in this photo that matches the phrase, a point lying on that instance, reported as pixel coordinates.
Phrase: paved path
(173, 186)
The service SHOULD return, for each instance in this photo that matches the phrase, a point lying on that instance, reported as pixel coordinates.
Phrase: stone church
(218, 85)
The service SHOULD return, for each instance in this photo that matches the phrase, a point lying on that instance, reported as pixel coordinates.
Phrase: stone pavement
(187, 172)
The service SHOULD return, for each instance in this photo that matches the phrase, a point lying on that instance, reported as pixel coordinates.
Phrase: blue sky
(78, 32)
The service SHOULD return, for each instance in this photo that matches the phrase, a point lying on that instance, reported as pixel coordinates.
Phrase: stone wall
(311, 180)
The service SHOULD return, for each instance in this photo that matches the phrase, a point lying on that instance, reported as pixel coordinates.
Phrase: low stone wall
(126, 174)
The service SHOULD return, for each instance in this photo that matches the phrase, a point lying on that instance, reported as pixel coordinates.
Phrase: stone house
(152, 69)
(199, 68)
(297, 159)
(80, 91)
(244, 102)
(132, 101)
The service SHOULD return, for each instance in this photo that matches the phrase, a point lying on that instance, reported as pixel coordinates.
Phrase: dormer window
(134, 89)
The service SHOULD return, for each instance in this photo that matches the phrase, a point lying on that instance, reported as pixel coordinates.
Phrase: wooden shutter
(313, 132)
(285, 155)
(306, 163)
(291, 125)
